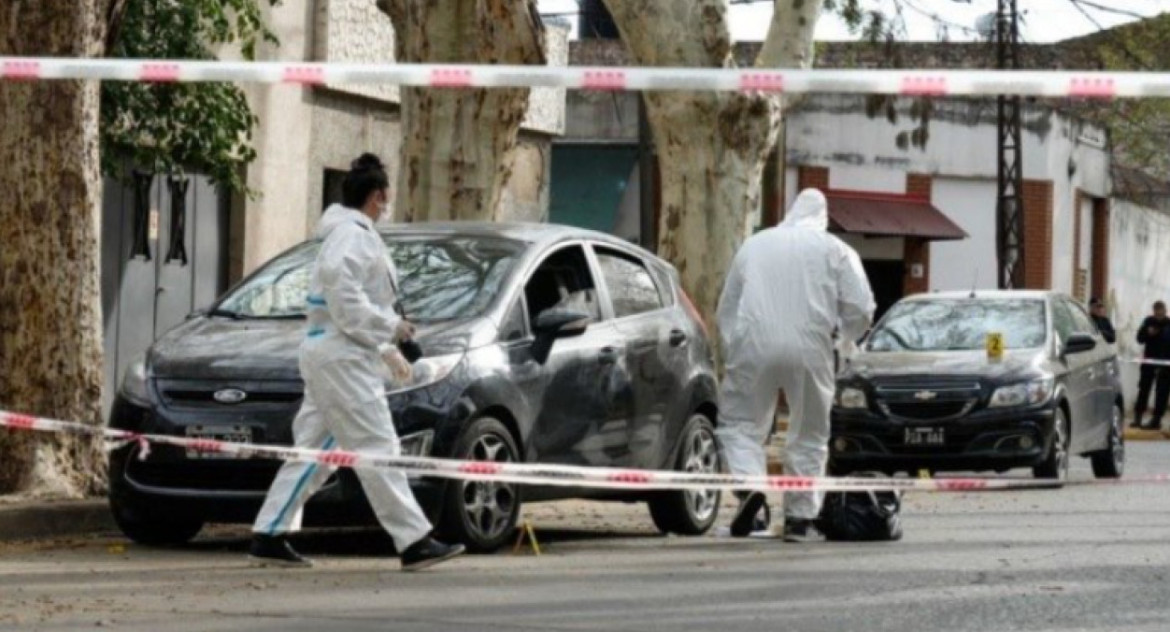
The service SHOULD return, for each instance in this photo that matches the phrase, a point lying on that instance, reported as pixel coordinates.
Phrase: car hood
(220, 348)
(945, 364)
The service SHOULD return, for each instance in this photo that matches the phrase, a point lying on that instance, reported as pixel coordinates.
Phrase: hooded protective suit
(789, 289)
(351, 323)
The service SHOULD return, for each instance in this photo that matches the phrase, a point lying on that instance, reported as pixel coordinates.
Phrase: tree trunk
(457, 142)
(714, 144)
(50, 310)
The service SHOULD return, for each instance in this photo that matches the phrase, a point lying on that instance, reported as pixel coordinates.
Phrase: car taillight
(694, 312)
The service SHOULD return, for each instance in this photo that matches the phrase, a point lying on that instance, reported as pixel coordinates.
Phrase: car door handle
(678, 338)
(607, 355)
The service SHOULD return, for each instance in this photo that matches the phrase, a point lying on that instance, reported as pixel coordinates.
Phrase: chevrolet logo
(925, 396)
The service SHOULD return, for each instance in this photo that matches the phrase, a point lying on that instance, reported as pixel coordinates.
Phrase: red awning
(888, 215)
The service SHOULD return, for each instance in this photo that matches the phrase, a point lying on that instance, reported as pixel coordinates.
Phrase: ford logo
(230, 396)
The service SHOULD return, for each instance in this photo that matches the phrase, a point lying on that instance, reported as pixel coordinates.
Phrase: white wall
(877, 248)
(959, 265)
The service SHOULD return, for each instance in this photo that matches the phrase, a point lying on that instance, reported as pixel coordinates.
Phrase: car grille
(257, 394)
(927, 399)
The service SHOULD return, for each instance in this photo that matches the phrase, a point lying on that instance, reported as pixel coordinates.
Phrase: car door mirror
(1079, 343)
(553, 324)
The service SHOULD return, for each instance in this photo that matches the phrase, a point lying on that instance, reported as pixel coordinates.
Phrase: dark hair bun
(367, 161)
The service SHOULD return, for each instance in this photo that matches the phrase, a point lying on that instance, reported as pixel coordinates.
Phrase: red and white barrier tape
(1074, 84)
(547, 475)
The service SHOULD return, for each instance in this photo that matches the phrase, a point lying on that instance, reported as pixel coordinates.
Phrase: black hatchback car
(931, 391)
(542, 344)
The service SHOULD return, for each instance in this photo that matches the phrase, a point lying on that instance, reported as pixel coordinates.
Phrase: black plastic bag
(861, 516)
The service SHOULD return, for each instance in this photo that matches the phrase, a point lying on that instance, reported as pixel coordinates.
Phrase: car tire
(480, 515)
(688, 512)
(1055, 465)
(152, 531)
(1110, 462)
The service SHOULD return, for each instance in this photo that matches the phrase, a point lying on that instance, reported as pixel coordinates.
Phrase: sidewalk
(54, 519)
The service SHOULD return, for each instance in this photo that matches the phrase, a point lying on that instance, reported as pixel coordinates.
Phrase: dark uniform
(1155, 335)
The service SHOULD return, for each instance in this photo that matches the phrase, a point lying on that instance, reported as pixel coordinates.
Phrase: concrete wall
(971, 262)
(1139, 274)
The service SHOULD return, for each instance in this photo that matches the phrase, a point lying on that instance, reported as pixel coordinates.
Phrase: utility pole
(1009, 202)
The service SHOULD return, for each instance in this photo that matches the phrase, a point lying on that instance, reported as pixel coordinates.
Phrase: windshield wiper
(224, 313)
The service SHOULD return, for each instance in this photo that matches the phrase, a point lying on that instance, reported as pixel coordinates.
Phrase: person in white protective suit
(790, 289)
(352, 329)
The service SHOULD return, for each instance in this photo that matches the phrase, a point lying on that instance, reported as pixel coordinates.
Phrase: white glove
(848, 349)
(399, 367)
(404, 330)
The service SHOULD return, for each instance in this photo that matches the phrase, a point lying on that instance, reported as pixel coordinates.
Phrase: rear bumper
(988, 441)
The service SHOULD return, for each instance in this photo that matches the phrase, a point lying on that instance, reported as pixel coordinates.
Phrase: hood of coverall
(333, 217)
(809, 210)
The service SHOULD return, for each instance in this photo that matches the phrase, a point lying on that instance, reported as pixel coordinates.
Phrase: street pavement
(1082, 558)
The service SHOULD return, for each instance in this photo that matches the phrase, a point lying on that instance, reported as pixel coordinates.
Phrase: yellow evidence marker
(995, 346)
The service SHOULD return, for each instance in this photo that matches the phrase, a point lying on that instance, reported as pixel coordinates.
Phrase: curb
(28, 521)
(1136, 434)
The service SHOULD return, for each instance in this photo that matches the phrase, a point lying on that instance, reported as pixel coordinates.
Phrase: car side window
(562, 281)
(1062, 320)
(631, 288)
(1082, 324)
(514, 325)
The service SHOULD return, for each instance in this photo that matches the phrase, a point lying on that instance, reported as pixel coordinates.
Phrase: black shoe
(745, 517)
(802, 531)
(1155, 424)
(1137, 421)
(274, 550)
(427, 552)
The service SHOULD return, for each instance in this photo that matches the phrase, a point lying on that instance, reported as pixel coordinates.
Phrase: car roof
(986, 294)
(539, 235)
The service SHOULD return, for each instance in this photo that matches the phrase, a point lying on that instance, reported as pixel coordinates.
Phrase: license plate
(926, 436)
(230, 434)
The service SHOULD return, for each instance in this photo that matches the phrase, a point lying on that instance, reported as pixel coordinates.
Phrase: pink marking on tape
(206, 445)
(480, 467)
(635, 478)
(604, 80)
(924, 86)
(789, 483)
(338, 458)
(1092, 87)
(304, 74)
(159, 72)
(761, 82)
(17, 420)
(961, 484)
(26, 70)
(451, 78)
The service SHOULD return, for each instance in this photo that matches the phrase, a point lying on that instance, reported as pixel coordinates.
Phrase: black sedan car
(980, 381)
(542, 344)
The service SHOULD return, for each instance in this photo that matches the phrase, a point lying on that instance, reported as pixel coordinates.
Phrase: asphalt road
(1088, 558)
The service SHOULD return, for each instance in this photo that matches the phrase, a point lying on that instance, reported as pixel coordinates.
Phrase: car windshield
(960, 325)
(441, 278)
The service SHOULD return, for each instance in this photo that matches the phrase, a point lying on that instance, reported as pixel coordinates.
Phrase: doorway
(885, 278)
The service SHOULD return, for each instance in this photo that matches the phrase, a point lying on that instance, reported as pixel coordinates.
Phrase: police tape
(929, 83)
(1147, 361)
(547, 475)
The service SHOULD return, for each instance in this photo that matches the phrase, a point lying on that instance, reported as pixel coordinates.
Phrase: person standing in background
(1155, 335)
(1101, 318)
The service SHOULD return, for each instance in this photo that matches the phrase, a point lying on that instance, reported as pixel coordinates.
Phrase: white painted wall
(877, 248)
(1139, 274)
(960, 265)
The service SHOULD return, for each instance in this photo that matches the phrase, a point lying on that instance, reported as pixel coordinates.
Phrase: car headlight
(1023, 394)
(134, 384)
(851, 398)
(418, 444)
(428, 371)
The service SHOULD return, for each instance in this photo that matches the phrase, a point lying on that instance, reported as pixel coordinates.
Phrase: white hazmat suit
(789, 288)
(351, 324)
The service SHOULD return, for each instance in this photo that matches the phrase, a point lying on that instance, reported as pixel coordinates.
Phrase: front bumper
(168, 483)
(986, 440)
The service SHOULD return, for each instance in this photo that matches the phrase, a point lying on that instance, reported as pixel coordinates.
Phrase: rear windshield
(441, 278)
(960, 325)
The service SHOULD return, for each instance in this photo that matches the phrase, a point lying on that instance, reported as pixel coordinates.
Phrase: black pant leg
(1145, 383)
(1163, 393)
